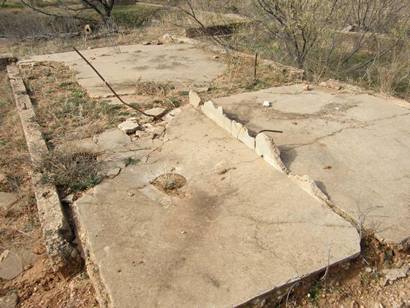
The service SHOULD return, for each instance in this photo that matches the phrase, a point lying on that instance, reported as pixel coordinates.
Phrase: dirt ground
(358, 284)
(38, 285)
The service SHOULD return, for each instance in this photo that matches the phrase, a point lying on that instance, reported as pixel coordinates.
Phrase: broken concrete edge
(56, 229)
(262, 144)
(102, 296)
(290, 284)
(265, 147)
(6, 59)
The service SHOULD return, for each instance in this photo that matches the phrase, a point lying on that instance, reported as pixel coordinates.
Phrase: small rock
(368, 269)
(9, 301)
(155, 111)
(194, 99)
(391, 275)
(216, 57)
(7, 199)
(129, 126)
(267, 104)
(10, 265)
(307, 87)
(146, 43)
(167, 38)
(3, 179)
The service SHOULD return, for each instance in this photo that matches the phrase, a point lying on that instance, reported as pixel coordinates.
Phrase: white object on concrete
(129, 126)
(267, 104)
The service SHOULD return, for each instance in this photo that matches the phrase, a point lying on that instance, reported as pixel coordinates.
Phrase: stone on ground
(223, 228)
(129, 126)
(355, 146)
(10, 265)
(9, 300)
(7, 199)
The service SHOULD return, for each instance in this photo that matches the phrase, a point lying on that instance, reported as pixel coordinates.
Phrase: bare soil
(38, 285)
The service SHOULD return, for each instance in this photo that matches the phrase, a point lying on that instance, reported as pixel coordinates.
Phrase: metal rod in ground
(111, 89)
(255, 66)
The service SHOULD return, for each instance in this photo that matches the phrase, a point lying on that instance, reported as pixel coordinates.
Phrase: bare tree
(103, 8)
(298, 24)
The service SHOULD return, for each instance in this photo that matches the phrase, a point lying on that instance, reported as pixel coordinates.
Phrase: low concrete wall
(56, 231)
(262, 144)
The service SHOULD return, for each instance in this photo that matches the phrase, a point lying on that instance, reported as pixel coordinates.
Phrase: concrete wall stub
(56, 229)
(266, 148)
(194, 99)
(310, 186)
(210, 110)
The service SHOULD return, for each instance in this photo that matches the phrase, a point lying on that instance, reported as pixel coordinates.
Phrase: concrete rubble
(129, 126)
(9, 300)
(7, 200)
(11, 265)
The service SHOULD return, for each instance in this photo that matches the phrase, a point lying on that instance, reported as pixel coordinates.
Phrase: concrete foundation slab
(123, 66)
(355, 146)
(229, 228)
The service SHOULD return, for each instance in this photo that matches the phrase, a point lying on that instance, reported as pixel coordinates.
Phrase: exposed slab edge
(266, 148)
(56, 230)
(91, 266)
(262, 144)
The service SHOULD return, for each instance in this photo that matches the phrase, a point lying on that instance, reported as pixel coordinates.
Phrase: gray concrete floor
(182, 64)
(235, 231)
(356, 146)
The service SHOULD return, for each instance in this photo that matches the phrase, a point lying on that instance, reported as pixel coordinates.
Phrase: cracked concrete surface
(182, 64)
(235, 231)
(355, 146)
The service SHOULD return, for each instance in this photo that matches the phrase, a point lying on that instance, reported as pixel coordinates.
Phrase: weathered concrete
(123, 66)
(7, 200)
(235, 231)
(56, 230)
(355, 146)
(266, 148)
(10, 265)
(194, 99)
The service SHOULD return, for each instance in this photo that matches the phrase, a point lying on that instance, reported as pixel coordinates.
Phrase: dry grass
(64, 110)
(240, 76)
(14, 158)
(70, 172)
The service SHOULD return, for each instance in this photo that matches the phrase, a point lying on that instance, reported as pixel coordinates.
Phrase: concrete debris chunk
(266, 148)
(194, 99)
(7, 199)
(155, 111)
(393, 274)
(10, 265)
(129, 126)
(9, 301)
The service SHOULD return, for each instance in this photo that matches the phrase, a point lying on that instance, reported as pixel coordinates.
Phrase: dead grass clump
(63, 108)
(14, 158)
(70, 172)
(240, 76)
(151, 88)
(170, 183)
